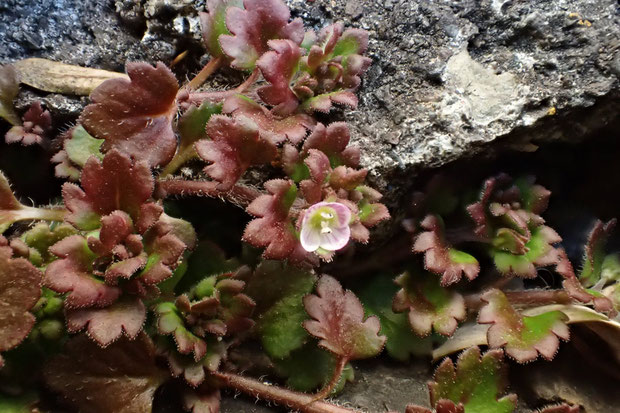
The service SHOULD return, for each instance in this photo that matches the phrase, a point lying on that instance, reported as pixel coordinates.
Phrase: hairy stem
(183, 155)
(240, 195)
(524, 298)
(187, 99)
(206, 71)
(290, 399)
(337, 373)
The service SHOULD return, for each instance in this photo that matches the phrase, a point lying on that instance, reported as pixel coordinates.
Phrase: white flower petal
(310, 238)
(338, 238)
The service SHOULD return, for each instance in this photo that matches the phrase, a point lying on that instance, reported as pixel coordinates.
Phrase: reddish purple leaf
(574, 288)
(135, 116)
(121, 378)
(36, 122)
(278, 68)
(213, 23)
(429, 305)
(271, 127)
(338, 321)
(233, 147)
(252, 28)
(20, 288)
(117, 183)
(106, 325)
(323, 102)
(439, 257)
(560, 408)
(164, 249)
(332, 141)
(524, 337)
(72, 274)
(273, 228)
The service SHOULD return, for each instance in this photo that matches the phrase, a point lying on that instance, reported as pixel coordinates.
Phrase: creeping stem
(240, 195)
(26, 213)
(206, 71)
(290, 399)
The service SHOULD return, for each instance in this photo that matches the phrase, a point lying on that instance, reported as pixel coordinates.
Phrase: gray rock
(449, 80)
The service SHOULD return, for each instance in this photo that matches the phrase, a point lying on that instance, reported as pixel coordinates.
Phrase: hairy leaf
(429, 305)
(192, 125)
(41, 237)
(20, 288)
(278, 67)
(121, 378)
(165, 248)
(106, 325)
(476, 382)
(278, 290)
(72, 274)
(538, 251)
(522, 337)
(574, 288)
(36, 122)
(273, 128)
(560, 408)
(273, 228)
(170, 321)
(195, 372)
(333, 141)
(8, 204)
(592, 268)
(134, 116)
(253, 27)
(81, 146)
(338, 321)
(116, 183)
(440, 257)
(9, 88)
(401, 341)
(233, 147)
(323, 103)
(213, 24)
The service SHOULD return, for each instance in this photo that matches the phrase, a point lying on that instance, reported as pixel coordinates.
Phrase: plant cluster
(110, 294)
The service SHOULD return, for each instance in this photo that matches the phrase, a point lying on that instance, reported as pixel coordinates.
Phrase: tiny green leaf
(401, 341)
(523, 337)
(476, 382)
(428, 304)
(82, 146)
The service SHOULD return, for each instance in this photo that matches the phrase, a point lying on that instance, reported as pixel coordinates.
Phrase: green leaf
(278, 290)
(523, 337)
(401, 342)
(194, 121)
(206, 259)
(82, 146)
(429, 304)
(41, 237)
(539, 251)
(476, 382)
(310, 367)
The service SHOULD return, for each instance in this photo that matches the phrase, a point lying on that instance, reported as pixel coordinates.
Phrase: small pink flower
(325, 225)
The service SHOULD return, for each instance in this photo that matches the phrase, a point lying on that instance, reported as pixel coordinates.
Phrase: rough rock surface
(448, 77)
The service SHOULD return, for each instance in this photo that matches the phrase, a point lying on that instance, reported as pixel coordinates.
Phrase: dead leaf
(59, 77)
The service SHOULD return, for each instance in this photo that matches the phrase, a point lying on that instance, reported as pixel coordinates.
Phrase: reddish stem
(206, 71)
(187, 99)
(290, 399)
(329, 387)
(525, 298)
(240, 195)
